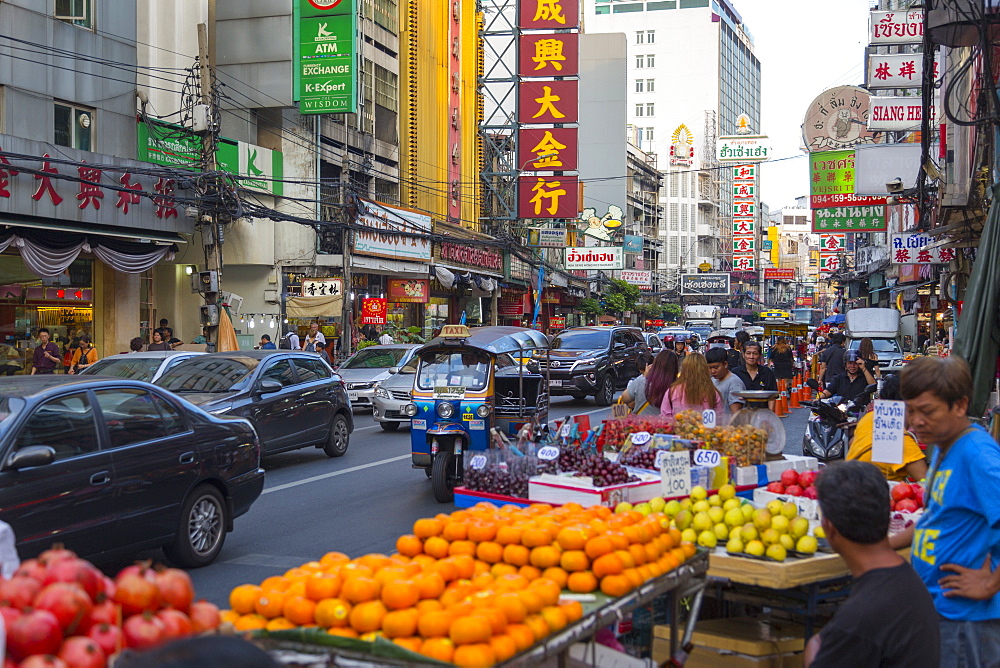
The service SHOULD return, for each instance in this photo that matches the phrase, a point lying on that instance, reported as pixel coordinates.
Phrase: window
(649, 85)
(650, 60)
(130, 416)
(640, 109)
(640, 61)
(74, 126)
(649, 108)
(78, 12)
(640, 37)
(639, 85)
(66, 424)
(311, 370)
(650, 36)
(280, 371)
(649, 134)
(173, 421)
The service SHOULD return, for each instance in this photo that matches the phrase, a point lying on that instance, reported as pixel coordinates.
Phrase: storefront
(467, 287)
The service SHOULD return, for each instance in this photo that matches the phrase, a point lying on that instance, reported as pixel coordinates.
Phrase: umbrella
(978, 338)
(834, 319)
(226, 333)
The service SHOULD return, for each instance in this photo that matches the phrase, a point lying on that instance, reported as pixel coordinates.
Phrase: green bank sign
(171, 145)
(324, 76)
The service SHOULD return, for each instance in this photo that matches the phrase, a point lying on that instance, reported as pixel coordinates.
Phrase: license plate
(555, 383)
(353, 396)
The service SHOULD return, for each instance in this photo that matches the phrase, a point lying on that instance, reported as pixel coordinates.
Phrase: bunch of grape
(548, 466)
(510, 480)
(604, 472)
(641, 458)
(571, 459)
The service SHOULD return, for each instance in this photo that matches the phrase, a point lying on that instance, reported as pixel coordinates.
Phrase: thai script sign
(902, 27)
(776, 274)
(705, 284)
(838, 119)
(849, 219)
(636, 277)
(383, 239)
(547, 237)
(595, 257)
(742, 149)
(373, 311)
(911, 248)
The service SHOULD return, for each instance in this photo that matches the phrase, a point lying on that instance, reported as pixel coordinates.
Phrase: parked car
(106, 465)
(147, 366)
(293, 399)
(593, 361)
(372, 365)
(392, 394)
(653, 341)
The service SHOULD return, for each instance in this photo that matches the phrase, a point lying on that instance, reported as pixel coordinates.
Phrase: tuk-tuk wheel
(441, 477)
(428, 471)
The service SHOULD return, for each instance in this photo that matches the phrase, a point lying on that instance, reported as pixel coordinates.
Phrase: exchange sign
(325, 75)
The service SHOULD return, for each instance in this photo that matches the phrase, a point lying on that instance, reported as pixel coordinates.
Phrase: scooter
(828, 431)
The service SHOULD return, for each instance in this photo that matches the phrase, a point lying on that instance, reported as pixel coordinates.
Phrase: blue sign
(633, 244)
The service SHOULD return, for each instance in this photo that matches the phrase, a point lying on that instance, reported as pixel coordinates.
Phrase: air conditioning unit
(234, 301)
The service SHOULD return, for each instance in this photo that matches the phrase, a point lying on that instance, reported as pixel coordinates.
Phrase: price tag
(565, 430)
(709, 458)
(548, 453)
(675, 473)
(708, 418)
(659, 458)
(640, 438)
(478, 462)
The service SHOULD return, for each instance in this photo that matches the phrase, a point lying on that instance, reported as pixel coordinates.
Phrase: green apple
(721, 531)
(672, 507)
(806, 544)
(770, 537)
(701, 506)
(747, 509)
(727, 492)
(644, 508)
(682, 520)
(789, 509)
(786, 541)
(686, 503)
(689, 535)
(729, 504)
(734, 517)
(748, 533)
(819, 533)
(734, 546)
(708, 539)
(774, 506)
(657, 503)
(779, 523)
(798, 527)
(715, 500)
(699, 493)
(716, 513)
(755, 547)
(623, 507)
(762, 519)
(702, 522)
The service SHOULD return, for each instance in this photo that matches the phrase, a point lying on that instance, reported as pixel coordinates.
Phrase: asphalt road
(356, 504)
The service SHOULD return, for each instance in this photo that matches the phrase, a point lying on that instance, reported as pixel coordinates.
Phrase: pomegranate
(42, 661)
(902, 491)
(108, 637)
(76, 571)
(907, 506)
(82, 652)
(142, 568)
(31, 568)
(175, 623)
(776, 487)
(35, 632)
(176, 589)
(10, 615)
(789, 477)
(793, 490)
(143, 631)
(136, 594)
(810, 492)
(204, 616)
(19, 591)
(108, 591)
(68, 602)
(105, 612)
(807, 478)
(56, 553)
(918, 494)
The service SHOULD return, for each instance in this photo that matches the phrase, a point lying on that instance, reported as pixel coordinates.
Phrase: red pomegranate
(56, 553)
(68, 602)
(136, 594)
(175, 623)
(105, 612)
(143, 631)
(36, 632)
(108, 637)
(42, 661)
(76, 571)
(176, 588)
(31, 568)
(82, 652)
(19, 591)
(204, 616)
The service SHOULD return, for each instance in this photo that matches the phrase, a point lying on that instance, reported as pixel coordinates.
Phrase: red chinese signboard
(803, 301)
(548, 149)
(557, 322)
(548, 14)
(549, 54)
(775, 274)
(548, 196)
(409, 291)
(541, 102)
(475, 257)
(373, 311)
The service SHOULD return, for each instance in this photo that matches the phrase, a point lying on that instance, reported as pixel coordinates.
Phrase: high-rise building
(691, 73)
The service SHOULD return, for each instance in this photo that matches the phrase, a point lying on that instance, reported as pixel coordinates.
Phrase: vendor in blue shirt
(956, 542)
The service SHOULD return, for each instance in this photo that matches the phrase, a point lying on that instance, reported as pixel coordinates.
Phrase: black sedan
(107, 465)
(293, 399)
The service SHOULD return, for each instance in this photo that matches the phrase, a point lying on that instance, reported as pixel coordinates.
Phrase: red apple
(902, 491)
(807, 478)
(907, 506)
(776, 487)
(789, 477)
(793, 490)
(810, 492)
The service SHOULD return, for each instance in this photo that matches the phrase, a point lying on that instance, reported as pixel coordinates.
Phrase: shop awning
(467, 270)
(50, 253)
(314, 307)
(378, 265)
(100, 230)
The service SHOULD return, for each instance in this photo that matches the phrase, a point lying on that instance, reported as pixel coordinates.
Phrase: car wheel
(606, 392)
(389, 426)
(339, 438)
(202, 529)
(442, 481)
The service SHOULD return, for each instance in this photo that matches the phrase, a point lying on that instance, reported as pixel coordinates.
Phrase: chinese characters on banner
(835, 206)
(832, 243)
(911, 248)
(897, 70)
(544, 102)
(744, 217)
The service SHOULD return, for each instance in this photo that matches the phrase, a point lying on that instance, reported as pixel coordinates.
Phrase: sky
(804, 48)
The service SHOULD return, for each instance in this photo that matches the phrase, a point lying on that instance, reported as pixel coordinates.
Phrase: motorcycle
(828, 431)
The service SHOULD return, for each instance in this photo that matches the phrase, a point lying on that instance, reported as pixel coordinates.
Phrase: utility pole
(211, 223)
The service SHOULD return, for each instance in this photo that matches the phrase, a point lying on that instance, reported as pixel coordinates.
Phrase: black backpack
(284, 344)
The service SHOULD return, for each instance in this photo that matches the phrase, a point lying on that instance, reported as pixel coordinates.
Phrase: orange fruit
(500, 569)
(548, 590)
(442, 649)
(511, 581)
(455, 531)
(554, 617)
(331, 612)
(435, 624)
(436, 547)
(466, 565)
(391, 574)
(535, 537)
(582, 582)
(409, 545)
(483, 567)
(618, 539)
(353, 569)
(429, 585)
(243, 597)
(427, 527)
(476, 654)
(470, 630)
(607, 564)
(323, 585)
(503, 646)
(367, 617)
(373, 560)
(574, 560)
(270, 603)
(653, 551)
(229, 616)
(360, 589)
(573, 610)
(512, 606)
(530, 572)
(481, 532)
(689, 550)
(496, 617)
(509, 535)
(334, 559)
(557, 575)
(279, 624)
(413, 643)
(638, 553)
(250, 622)
(544, 556)
(615, 585)
(344, 631)
(446, 569)
(532, 600)
(516, 555)
(539, 627)
(490, 552)
(459, 547)
(400, 623)
(633, 576)
(599, 545)
(522, 635)
(628, 561)
(429, 605)
(572, 538)
(276, 582)
(299, 610)
(399, 595)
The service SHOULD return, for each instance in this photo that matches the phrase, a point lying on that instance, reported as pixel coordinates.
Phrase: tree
(622, 297)
(591, 306)
(650, 311)
(672, 311)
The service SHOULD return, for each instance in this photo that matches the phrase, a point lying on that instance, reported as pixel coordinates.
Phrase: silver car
(370, 365)
(392, 394)
(147, 366)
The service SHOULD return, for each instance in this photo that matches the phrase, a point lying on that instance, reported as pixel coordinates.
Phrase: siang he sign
(542, 102)
(549, 55)
(548, 14)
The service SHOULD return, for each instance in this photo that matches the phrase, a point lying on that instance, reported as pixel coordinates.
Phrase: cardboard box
(740, 641)
(548, 488)
(808, 508)
(785, 575)
(595, 654)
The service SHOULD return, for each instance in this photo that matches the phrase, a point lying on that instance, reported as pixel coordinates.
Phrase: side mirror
(813, 384)
(33, 455)
(619, 346)
(394, 369)
(269, 386)
(533, 367)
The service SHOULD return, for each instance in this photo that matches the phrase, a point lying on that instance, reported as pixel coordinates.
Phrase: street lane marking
(332, 474)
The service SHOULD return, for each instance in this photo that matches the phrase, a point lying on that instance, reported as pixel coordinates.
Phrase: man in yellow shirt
(914, 464)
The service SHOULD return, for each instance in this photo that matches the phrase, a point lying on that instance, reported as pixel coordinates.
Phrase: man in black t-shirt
(831, 360)
(852, 382)
(889, 619)
(756, 376)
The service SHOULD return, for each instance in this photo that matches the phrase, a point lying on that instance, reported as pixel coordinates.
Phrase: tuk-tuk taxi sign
(455, 332)
(775, 315)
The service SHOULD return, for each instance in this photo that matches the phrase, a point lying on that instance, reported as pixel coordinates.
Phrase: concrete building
(793, 246)
(683, 93)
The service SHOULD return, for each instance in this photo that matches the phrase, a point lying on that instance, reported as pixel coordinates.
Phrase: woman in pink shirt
(693, 389)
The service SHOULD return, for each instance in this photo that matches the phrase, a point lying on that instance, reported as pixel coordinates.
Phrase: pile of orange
(472, 588)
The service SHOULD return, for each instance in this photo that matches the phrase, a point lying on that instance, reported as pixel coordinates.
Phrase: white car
(362, 370)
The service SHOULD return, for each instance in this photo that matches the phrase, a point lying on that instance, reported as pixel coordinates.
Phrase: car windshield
(375, 358)
(582, 339)
(411, 366)
(469, 370)
(880, 345)
(133, 368)
(207, 373)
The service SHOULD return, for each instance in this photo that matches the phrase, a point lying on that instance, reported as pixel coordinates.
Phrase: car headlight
(589, 360)
(382, 393)
(409, 410)
(484, 410)
(445, 410)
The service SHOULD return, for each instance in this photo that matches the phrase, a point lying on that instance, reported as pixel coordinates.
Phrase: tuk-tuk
(468, 382)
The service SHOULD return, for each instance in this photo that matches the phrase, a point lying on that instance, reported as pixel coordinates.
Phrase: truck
(702, 319)
(729, 326)
(882, 326)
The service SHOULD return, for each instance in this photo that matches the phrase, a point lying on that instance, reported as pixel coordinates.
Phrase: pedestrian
(164, 323)
(831, 360)
(135, 345)
(157, 343)
(866, 349)
(955, 541)
(386, 338)
(783, 360)
(868, 629)
(314, 336)
(84, 356)
(324, 355)
(171, 340)
(756, 376)
(726, 382)
(680, 348)
(634, 395)
(693, 389)
(290, 341)
(46, 354)
(266, 343)
(10, 360)
(914, 464)
(660, 377)
(202, 338)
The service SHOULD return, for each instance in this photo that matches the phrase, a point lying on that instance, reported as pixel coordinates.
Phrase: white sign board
(547, 237)
(902, 27)
(595, 257)
(896, 70)
(911, 248)
(675, 473)
(322, 287)
(380, 239)
(887, 431)
(895, 113)
(637, 277)
(743, 149)
(878, 164)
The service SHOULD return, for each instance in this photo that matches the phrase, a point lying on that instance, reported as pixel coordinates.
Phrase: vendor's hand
(975, 584)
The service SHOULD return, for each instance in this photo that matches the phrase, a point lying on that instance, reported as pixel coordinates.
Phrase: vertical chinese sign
(744, 217)
(324, 58)
(548, 108)
(455, 38)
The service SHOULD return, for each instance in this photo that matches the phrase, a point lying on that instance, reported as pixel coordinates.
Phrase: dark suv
(593, 360)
